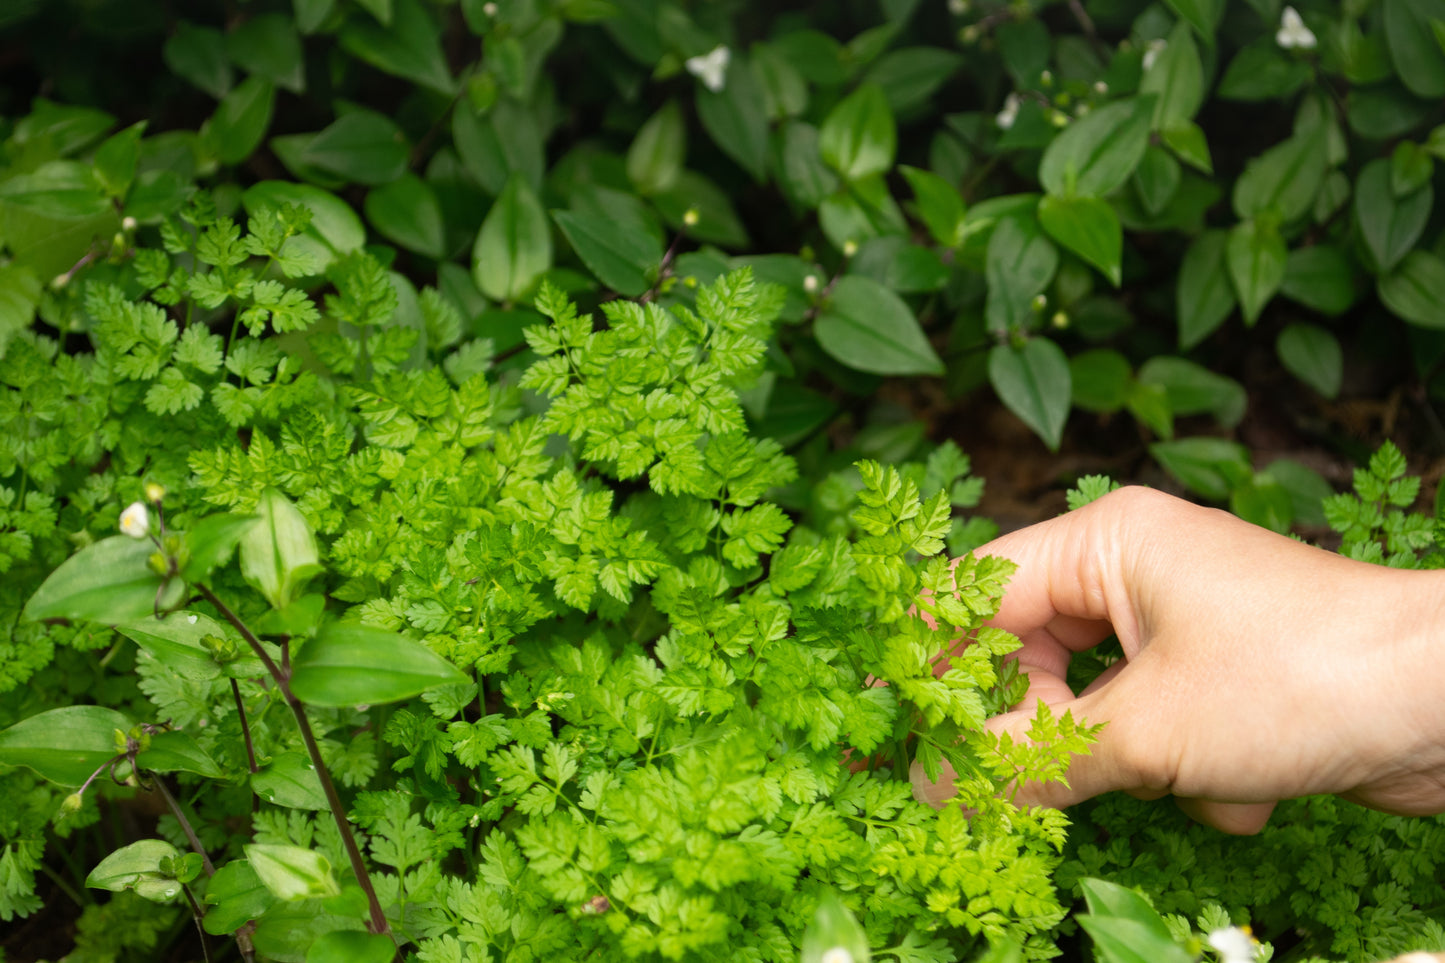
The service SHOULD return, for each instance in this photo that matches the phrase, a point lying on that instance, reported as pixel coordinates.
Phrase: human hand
(1256, 668)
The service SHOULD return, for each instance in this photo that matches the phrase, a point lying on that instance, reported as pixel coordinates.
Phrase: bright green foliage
(1376, 523)
(663, 676)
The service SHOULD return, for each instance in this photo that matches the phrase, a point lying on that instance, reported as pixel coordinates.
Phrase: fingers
(1237, 819)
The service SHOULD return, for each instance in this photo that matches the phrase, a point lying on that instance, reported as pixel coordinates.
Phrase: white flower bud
(1235, 944)
(836, 954)
(1152, 52)
(135, 521)
(711, 68)
(1293, 34)
(850, 247)
(958, 7)
(1005, 118)
(689, 217)
(810, 284)
(490, 9)
(128, 224)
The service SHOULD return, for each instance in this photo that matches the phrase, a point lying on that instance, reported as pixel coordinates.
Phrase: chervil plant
(425, 655)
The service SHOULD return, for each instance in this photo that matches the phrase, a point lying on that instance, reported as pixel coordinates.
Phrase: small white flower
(810, 284)
(128, 224)
(1293, 33)
(711, 68)
(836, 954)
(850, 247)
(1010, 113)
(191, 619)
(1152, 52)
(135, 521)
(1235, 945)
(958, 7)
(1100, 87)
(490, 9)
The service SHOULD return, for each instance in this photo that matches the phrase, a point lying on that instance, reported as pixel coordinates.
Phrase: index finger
(1067, 594)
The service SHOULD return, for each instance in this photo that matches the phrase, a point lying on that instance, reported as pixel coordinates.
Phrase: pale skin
(1256, 668)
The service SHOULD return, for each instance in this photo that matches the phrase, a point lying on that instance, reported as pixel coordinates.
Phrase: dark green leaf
(1413, 48)
(115, 160)
(514, 246)
(908, 77)
(1284, 179)
(868, 327)
(362, 146)
(717, 220)
(859, 137)
(1389, 225)
(269, 46)
(408, 47)
(1100, 380)
(1087, 226)
(1415, 290)
(242, 119)
(736, 118)
(351, 946)
(939, 204)
(1176, 78)
(655, 159)
(1411, 168)
(235, 895)
(290, 780)
(623, 257)
(1208, 466)
(110, 581)
(1313, 355)
(1156, 180)
(64, 745)
(1320, 277)
(199, 55)
(504, 142)
(175, 751)
(176, 642)
(210, 543)
(1020, 263)
(1097, 154)
(311, 14)
(803, 174)
(1189, 145)
(1034, 383)
(407, 212)
(1256, 257)
(1202, 15)
(1192, 389)
(1261, 72)
(1385, 111)
(349, 664)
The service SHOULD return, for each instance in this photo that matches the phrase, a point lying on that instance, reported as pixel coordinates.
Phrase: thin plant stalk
(377, 923)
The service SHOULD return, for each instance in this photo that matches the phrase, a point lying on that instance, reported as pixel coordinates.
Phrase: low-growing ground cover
(537, 419)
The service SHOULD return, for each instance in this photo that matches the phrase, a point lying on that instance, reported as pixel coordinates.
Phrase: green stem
(196, 914)
(175, 808)
(377, 923)
(245, 727)
(65, 887)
